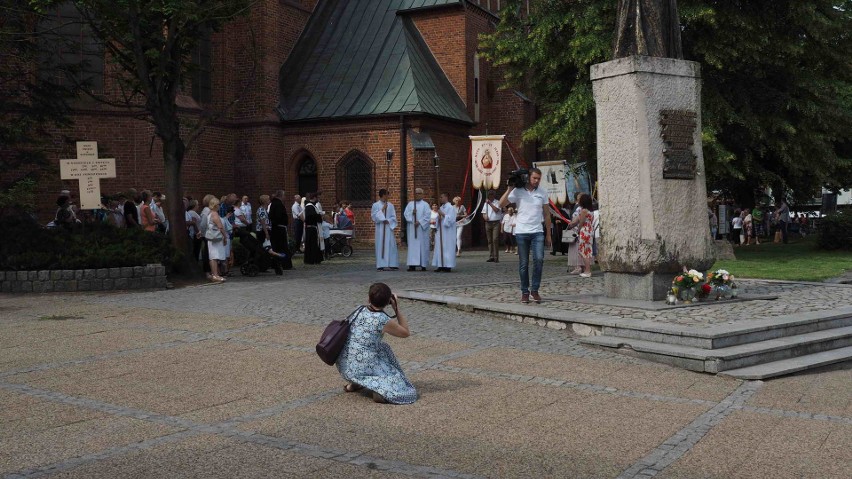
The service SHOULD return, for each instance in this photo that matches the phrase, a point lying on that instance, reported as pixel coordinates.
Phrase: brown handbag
(334, 338)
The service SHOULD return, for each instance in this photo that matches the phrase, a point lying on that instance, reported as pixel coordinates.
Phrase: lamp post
(388, 159)
(435, 159)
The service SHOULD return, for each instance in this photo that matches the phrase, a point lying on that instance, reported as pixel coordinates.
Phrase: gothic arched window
(355, 180)
(307, 176)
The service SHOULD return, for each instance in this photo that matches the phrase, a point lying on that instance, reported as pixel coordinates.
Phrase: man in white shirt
(159, 215)
(245, 205)
(298, 225)
(239, 217)
(531, 220)
(493, 215)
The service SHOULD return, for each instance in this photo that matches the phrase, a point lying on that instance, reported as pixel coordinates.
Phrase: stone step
(727, 335)
(791, 365)
(739, 356)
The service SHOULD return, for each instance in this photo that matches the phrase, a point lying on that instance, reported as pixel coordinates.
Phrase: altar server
(383, 215)
(417, 215)
(444, 257)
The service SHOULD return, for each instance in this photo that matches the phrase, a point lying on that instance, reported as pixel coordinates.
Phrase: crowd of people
(434, 231)
(213, 223)
(748, 225)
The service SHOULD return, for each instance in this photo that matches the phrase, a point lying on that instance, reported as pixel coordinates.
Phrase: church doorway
(307, 176)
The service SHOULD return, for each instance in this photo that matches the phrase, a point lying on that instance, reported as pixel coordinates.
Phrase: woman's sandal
(379, 398)
(352, 387)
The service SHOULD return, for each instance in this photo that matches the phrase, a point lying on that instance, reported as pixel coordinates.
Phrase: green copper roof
(364, 58)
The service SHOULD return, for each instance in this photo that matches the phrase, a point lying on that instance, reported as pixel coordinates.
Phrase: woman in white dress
(216, 247)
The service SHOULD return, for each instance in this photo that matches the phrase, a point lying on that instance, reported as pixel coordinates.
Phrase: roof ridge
(361, 58)
(415, 43)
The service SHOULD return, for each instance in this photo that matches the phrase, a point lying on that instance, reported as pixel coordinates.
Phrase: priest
(417, 214)
(444, 257)
(383, 215)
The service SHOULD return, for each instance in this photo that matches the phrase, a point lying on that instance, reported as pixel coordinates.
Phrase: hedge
(835, 231)
(26, 245)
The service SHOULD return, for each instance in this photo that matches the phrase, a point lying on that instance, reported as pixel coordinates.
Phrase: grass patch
(58, 317)
(796, 261)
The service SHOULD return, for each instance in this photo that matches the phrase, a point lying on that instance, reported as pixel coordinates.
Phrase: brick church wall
(250, 152)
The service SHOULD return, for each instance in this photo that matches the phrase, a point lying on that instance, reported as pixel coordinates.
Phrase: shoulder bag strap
(355, 314)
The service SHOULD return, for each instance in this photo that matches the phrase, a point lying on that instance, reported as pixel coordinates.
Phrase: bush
(25, 245)
(835, 232)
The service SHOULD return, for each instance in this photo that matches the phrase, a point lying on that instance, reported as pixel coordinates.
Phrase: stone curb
(589, 324)
(104, 279)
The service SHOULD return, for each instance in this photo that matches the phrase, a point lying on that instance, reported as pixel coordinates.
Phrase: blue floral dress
(368, 361)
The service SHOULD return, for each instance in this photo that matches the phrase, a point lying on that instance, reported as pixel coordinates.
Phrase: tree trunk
(173, 151)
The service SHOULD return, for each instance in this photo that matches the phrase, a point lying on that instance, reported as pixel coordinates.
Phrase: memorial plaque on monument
(88, 169)
(678, 130)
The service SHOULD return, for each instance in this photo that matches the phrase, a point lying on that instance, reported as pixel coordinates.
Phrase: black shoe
(553, 253)
(448, 270)
(490, 260)
(411, 268)
(422, 268)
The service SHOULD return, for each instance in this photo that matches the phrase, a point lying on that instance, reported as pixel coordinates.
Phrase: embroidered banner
(578, 180)
(485, 154)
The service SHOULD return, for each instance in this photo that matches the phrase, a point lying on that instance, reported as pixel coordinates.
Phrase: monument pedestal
(651, 183)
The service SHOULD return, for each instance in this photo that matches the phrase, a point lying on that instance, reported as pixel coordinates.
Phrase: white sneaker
(585, 275)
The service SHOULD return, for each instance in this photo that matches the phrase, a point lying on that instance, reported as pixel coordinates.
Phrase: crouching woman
(368, 362)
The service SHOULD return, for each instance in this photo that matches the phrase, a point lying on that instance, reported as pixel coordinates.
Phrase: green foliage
(776, 94)
(27, 246)
(152, 43)
(31, 105)
(19, 197)
(835, 232)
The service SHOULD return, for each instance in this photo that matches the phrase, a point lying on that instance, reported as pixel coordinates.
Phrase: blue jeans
(527, 242)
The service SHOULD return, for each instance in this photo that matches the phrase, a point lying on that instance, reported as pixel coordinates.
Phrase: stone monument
(651, 186)
(88, 169)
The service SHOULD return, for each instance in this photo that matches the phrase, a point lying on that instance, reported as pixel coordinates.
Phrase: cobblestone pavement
(564, 291)
(222, 381)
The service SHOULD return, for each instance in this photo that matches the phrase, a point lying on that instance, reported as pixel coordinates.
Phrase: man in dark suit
(278, 217)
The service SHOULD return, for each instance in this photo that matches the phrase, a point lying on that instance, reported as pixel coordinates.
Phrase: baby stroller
(258, 260)
(339, 243)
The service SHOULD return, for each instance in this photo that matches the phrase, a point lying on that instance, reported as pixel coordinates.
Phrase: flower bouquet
(722, 284)
(686, 285)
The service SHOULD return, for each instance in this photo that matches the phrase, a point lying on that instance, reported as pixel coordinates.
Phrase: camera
(518, 178)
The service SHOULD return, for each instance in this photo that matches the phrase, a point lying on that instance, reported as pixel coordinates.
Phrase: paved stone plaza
(222, 381)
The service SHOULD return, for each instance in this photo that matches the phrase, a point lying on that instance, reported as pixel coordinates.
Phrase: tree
(30, 104)
(776, 95)
(152, 42)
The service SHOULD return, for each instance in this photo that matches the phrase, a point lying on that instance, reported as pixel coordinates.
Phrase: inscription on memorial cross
(88, 169)
(678, 132)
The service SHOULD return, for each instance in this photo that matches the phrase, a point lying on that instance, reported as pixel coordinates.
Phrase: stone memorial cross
(88, 169)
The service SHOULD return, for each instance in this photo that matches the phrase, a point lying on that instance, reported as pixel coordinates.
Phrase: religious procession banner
(577, 179)
(553, 180)
(485, 155)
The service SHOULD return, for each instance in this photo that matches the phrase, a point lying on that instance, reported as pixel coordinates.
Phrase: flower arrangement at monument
(722, 284)
(686, 285)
